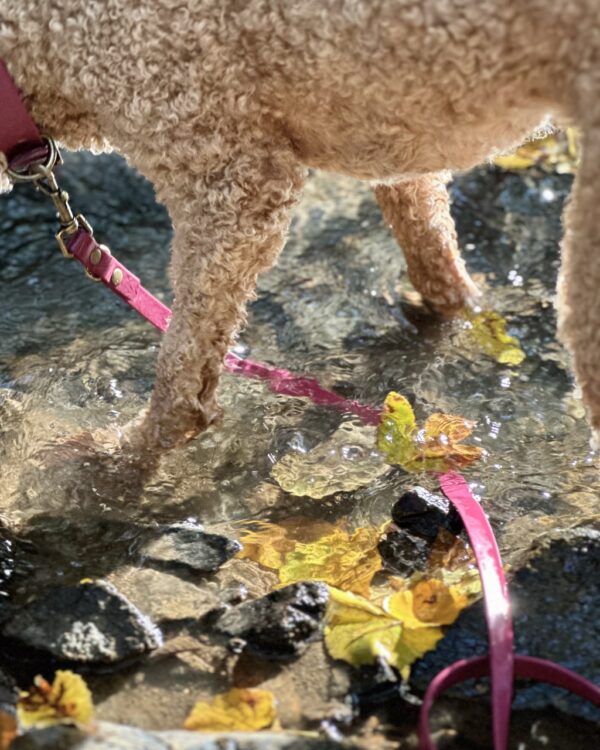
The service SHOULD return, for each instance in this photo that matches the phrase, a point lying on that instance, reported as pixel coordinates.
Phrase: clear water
(73, 358)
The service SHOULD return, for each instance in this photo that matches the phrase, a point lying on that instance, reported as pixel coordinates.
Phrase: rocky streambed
(141, 581)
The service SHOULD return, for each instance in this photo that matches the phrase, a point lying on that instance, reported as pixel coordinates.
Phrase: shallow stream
(337, 306)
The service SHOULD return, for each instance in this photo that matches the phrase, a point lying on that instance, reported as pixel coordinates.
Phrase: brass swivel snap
(42, 176)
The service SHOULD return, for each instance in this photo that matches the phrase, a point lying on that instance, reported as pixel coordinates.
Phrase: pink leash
(31, 158)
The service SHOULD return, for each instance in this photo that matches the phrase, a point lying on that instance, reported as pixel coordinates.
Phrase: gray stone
(278, 626)
(87, 624)
(108, 736)
(188, 546)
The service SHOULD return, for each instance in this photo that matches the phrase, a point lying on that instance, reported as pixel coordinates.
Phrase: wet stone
(190, 547)
(8, 692)
(7, 560)
(90, 624)
(402, 552)
(423, 514)
(109, 736)
(280, 625)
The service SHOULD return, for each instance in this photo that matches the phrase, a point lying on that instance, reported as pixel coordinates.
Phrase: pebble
(278, 626)
(89, 624)
(402, 552)
(189, 546)
(423, 514)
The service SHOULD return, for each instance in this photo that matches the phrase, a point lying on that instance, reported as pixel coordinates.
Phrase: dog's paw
(159, 431)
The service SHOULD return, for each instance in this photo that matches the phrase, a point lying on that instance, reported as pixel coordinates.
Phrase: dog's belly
(384, 151)
(404, 89)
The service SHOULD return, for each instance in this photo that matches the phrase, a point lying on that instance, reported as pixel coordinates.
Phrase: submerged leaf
(268, 543)
(343, 463)
(342, 559)
(240, 709)
(67, 699)
(556, 152)
(452, 561)
(437, 447)
(488, 331)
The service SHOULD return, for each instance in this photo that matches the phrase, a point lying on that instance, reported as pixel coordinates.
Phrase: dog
(224, 105)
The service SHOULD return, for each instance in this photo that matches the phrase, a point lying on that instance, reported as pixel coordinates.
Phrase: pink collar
(26, 152)
(19, 134)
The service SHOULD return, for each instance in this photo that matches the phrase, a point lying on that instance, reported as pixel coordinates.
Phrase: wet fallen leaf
(360, 632)
(346, 560)
(8, 729)
(66, 699)
(343, 463)
(268, 543)
(488, 330)
(453, 561)
(436, 447)
(432, 602)
(450, 552)
(556, 152)
(240, 709)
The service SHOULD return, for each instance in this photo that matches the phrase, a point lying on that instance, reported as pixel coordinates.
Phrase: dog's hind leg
(418, 213)
(579, 279)
(230, 220)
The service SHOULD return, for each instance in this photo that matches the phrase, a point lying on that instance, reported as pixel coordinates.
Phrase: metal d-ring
(27, 175)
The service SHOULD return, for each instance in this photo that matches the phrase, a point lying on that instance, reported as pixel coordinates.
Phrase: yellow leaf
(343, 463)
(452, 560)
(488, 331)
(8, 729)
(240, 709)
(359, 632)
(556, 152)
(449, 553)
(434, 602)
(268, 543)
(437, 447)
(66, 700)
(345, 560)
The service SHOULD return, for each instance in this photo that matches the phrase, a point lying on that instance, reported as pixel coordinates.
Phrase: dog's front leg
(418, 213)
(230, 223)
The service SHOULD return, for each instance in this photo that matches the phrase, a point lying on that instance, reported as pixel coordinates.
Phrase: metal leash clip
(43, 178)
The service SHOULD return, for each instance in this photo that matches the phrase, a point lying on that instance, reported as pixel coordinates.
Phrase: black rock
(8, 692)
(402, 552)
(555, 599)
(280, 625)
(7, 559)
(424, 514)
(187, 546)
(90, 624)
